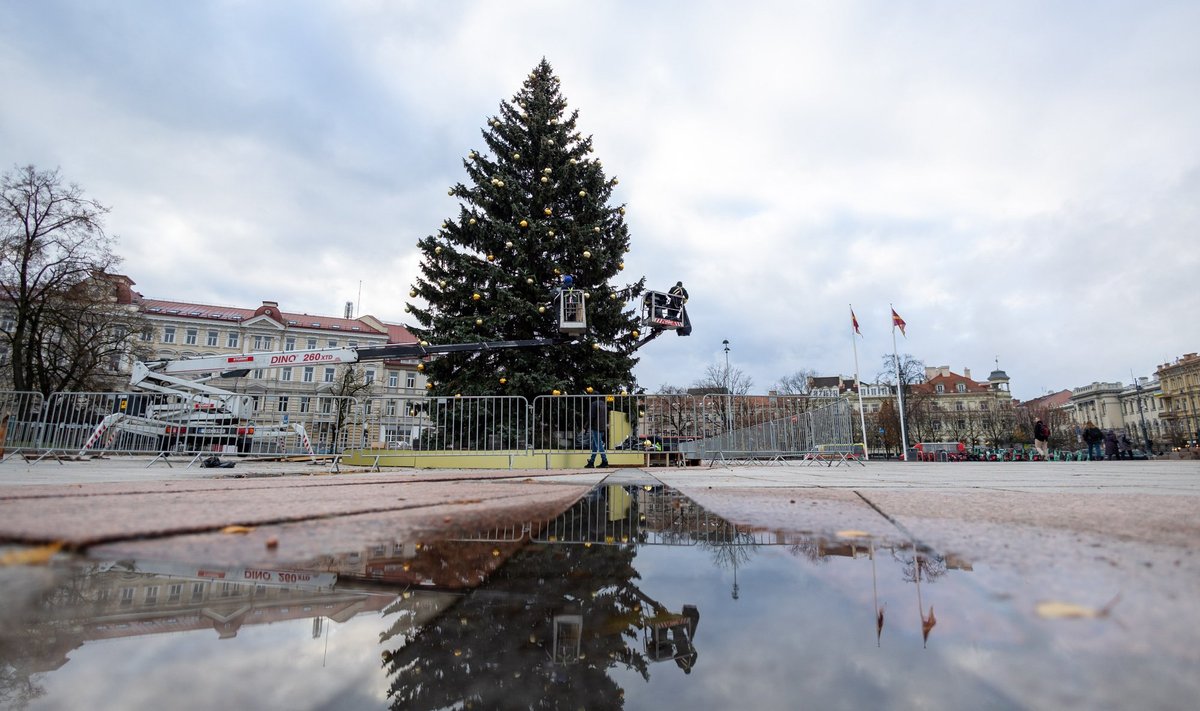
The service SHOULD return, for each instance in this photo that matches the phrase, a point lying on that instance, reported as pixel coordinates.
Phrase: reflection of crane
(667, 635)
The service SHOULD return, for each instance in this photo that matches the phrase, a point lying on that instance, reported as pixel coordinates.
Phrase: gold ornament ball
(503, 381)
(582, 193)
(524, 223)
(595, 346)
(546, 171)
(450, 192)
(424, 343)
(478, 322)
(586, 254)
(555, 392)
(496, 124)
(499, 183)
(620, 265)
(420, 367)
(407, 309)
(548, 211)
(528, 280)
(429, 386)
(516, 156)
(545, 179)
(442, 283)
(476, 296)
(615, 181)
(412, 292)
(471, 221)
(596, 230)
(636, 334)
(557, 270)
(491, 257)
(621, 210)
(573, 161)
(550, 233)
(612, 297)
(589, 389)
(457, 394)
(541, 309)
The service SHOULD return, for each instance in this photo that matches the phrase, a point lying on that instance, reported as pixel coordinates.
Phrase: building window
(174, 592)
(289, 344)
(961, 387)
(352, 344)
(960, 406)
(329, 375)
(312, 344)
(286, 375)
(308, 374)
(940, 388)
(126, 596)
(410, 381)
(326, 406)
(168, 334)
(148, 333)
(331, 343)
(211, 341)
(937, 425)
(305, 404)
(393, 379)
(282, 405)
(391, 408)
(152, 595)
(962, 424)
(983, 406)
(254, 403)
(197, 591)
(370, 375)
(232, 340)
(192, 336)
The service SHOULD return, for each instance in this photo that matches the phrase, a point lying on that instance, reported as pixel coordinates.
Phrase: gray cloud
(1018, 179)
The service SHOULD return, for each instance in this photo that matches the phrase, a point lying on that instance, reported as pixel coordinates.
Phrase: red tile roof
(183, 309)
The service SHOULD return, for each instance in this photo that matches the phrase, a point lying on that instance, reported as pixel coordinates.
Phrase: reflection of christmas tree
(495, 648)
(535, 208)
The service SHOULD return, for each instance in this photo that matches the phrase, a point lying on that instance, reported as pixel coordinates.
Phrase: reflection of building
(119, 600)
(1180, 383)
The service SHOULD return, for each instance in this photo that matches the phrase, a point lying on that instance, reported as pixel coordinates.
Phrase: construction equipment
(203, 416)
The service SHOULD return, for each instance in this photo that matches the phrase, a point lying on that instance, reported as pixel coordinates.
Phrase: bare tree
(916, 406)
(731, 378)
(64, 327)
(798, 383)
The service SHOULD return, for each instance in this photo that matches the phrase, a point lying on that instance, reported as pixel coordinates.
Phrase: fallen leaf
(1056, 610)
(31, 556)
(241, 530)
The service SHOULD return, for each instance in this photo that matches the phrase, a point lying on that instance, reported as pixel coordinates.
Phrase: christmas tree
(534, 209)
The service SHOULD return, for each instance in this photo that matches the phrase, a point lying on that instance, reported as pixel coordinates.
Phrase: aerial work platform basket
(572, 312)
(663, 311)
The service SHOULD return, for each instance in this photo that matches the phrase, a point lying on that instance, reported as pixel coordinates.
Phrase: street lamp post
(1137, 384)
(728, 393)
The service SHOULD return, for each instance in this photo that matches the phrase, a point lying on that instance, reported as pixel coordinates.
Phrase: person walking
(1126, 446)
(1092, 437)
(597, 414)
(1111, 447)
(1041, 439)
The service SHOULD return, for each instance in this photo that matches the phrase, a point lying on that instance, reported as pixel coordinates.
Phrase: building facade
(1180, 383)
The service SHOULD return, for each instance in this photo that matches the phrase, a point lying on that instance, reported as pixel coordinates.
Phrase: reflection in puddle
(599, 608)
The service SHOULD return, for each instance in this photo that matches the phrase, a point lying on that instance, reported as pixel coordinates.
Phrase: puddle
(635, 598)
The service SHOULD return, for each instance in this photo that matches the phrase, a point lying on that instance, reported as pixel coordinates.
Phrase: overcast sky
(1019, 179)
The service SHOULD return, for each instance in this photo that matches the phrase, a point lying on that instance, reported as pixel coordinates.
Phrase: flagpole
(862, 417)
(899, 391)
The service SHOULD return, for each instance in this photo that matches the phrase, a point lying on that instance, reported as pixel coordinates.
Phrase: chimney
(967, 373)
(349, 309)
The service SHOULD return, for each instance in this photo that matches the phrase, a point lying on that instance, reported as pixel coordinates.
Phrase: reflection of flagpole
(875, 593)
(927, 623)
(899, 391)
(862, 417)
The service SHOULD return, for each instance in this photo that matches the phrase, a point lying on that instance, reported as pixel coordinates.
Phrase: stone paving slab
(86, 517)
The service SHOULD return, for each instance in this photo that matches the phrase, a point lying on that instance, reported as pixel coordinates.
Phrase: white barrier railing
(712, 427)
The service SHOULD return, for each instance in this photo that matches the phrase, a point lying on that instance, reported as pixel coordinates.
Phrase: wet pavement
(1001, 585)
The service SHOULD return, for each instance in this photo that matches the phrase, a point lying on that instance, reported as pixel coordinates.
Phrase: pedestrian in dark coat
(1092, 437)
(1111, 447)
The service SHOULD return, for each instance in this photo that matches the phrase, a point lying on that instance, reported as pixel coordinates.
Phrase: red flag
(854, 320)
(898, 322)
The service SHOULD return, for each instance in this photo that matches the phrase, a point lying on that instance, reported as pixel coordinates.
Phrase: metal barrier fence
(488, 425)
(713, 427)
